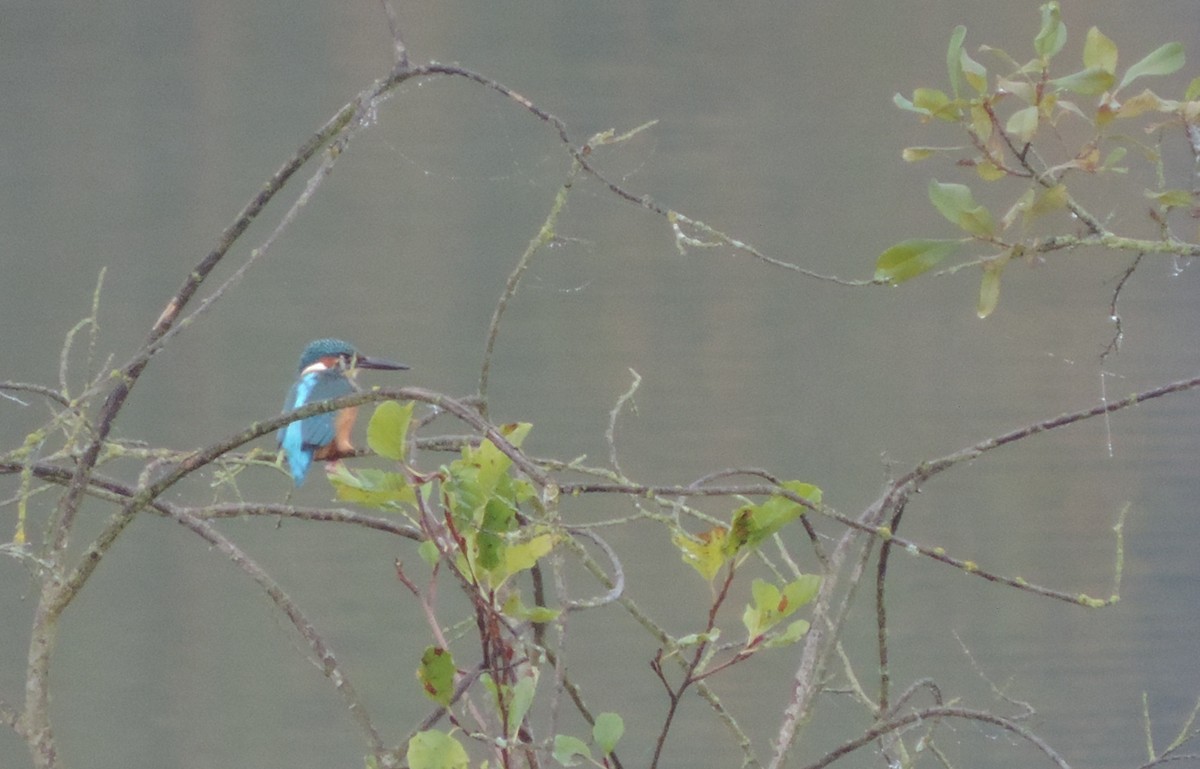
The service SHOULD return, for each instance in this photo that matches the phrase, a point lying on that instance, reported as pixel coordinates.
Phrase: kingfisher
(327, 369)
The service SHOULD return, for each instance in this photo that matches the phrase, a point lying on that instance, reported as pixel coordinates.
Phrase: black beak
(362, 361)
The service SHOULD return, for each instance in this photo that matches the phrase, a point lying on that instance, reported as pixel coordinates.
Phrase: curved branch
(917, 717)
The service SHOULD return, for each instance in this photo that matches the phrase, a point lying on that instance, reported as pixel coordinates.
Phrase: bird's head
(337, 353)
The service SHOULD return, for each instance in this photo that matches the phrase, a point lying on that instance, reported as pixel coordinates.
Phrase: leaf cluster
(1013, 116)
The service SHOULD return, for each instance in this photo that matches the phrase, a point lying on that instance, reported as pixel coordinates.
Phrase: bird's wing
(319, 430)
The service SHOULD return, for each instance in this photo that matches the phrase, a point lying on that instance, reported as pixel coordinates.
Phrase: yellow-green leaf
(515, 432)
(989, 171)
(436, 750)
(569, 750)
(974, 72)
(1053, 34)
(931, 101)
(1053, 199)
(804, 490)
(523, 555)
(913, 154)
(387, 432)
(1193, 90)
(799, 592)
(521, 700)
(981, 123)
(1023, 123)
(770, 605)
(607, 731)
(754, 523)
(429, 552)
(1022, 205)
(989, 292)
(957, 204)
(1019, 87)
(1099, 51)
(1145, 101)
(370, 487)
(762, 612)
(1171, 198)
(514, 607)
(910, 258)
(706, 554)
(795, 631)
(954, 58)
(1162, 61)
(1089, 82)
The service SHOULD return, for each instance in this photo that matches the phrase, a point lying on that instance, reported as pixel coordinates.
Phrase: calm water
(134, 131)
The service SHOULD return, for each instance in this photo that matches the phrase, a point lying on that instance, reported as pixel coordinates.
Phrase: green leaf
(437, 674)
(522, 556)
(754, 523)
(522, 699)
(514, 607)
(954, 59)
(1099, 51)
(1018, 87)
(568, 750)
(436, 750)
(607, 731)
(429, 552)
(933, 102)
(929, 102)
(1193, 90)
(989, 292)
(498, 518)
(1171, 198)
(903, 103)
(387, 432)
(974, 72)
(481, 475)
(910, 258)
(957, 204)
(490, 464)
(1023, 123)
(799, 592)
(771, 605)
(795, 631)
(1053, 199)
(1114, 157)
(760, 614)
(981, 123)
(804, 490)
(914, 154)
(989, 171)
(1089, 82)
(1162, 61)
(1053, 34)
(515, 432)
(1035, 202)
(380, 489)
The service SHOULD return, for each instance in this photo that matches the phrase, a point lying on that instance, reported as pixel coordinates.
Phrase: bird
(327, 369)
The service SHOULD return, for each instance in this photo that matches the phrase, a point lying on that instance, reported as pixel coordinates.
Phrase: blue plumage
(327, 368)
